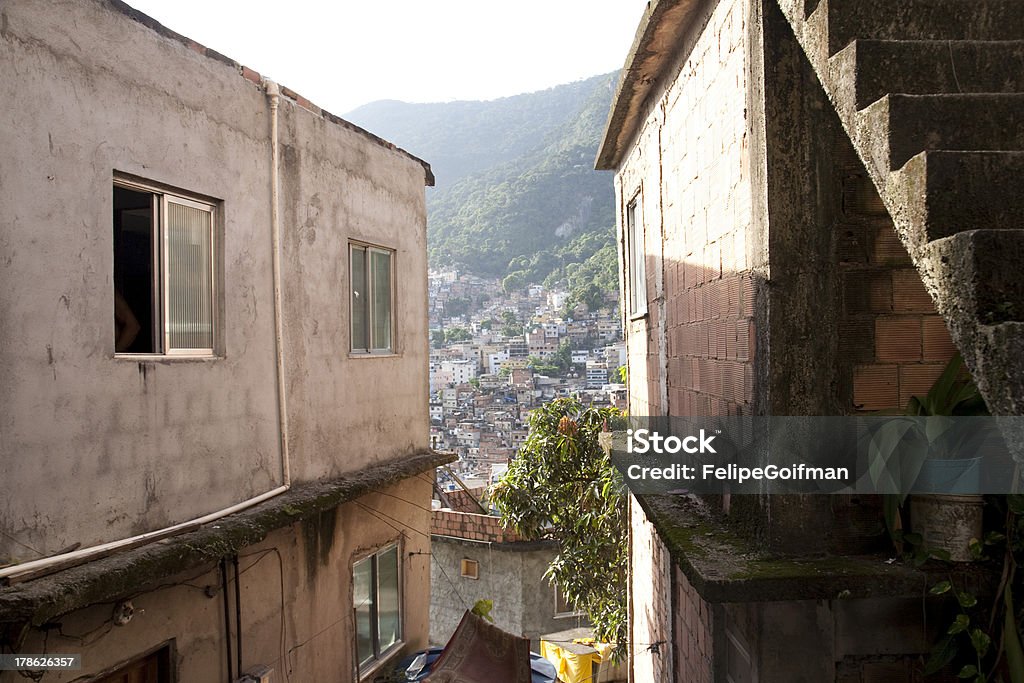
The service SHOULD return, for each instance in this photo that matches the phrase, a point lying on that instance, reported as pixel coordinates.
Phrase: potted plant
(933, 447)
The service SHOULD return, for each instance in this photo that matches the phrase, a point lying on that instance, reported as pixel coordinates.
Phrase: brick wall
(694, 630)
(461, 501)
(893, 340)
(470, 526)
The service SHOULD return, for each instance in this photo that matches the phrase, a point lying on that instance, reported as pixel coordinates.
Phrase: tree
(456, 334)
(510, 326)
(563, 486)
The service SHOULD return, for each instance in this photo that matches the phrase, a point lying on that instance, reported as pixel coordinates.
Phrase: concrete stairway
(931, 93)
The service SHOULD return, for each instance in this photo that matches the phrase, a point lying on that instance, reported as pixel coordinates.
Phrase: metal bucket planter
(952, 516)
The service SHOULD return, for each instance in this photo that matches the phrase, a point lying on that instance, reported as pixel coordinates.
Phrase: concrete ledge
(40, 600)
(724, 567)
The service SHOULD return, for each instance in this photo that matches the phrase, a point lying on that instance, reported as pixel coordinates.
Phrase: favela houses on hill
(704, 370)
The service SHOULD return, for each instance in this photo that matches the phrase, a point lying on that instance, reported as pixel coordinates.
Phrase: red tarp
(479, 652)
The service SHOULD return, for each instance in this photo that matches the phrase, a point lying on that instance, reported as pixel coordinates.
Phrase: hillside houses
(506, 358)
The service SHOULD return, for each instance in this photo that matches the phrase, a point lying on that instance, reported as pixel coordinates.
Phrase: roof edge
(653, 51)
(38, 601)
(254, 76)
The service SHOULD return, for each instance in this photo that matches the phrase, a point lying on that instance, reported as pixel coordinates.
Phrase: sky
(341, 54)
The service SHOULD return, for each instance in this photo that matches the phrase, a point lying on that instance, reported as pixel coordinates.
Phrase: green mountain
(516, 195)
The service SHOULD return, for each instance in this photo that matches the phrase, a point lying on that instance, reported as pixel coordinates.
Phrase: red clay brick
(937, 343)
(867, 291)
(898, 338)
(909, 294)
(876, 387)
(887, 248)
(917, 379)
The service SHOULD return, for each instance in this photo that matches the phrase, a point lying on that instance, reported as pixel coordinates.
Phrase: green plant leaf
(913, 539)
(966, 600)
(968, 671)
(941, 587)
(960, 625)
(942, 653)
(980, 641)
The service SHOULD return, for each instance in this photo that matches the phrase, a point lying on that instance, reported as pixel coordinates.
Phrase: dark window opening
(135, 262)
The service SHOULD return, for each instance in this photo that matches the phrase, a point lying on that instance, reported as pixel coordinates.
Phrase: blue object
(417, 666)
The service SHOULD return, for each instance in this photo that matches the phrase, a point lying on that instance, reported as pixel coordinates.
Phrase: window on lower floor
(152, 668)
(164, 294)
(377, 599)
(372, 276)
(564, 608)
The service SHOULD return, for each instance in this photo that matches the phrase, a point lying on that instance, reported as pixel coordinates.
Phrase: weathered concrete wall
(296, 599)
(132, 445)
(511, 575)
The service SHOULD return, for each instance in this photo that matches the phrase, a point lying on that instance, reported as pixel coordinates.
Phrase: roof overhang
(655, 47)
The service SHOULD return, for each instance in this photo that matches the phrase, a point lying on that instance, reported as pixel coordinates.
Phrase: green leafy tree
(510, 326)
(563, 356)
(437, 338)
(563, 486)
(457, 334)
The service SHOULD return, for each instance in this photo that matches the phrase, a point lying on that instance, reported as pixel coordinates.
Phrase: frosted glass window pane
(389, 615)
(381, 288)
(189, 277)
(360, 299)
(362, 595)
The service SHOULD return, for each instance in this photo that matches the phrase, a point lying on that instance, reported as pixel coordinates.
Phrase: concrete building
(804, 215)
(475, 558)
(597, 374)
(214, 360)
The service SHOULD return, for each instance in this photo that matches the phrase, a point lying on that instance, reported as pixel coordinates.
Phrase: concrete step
(946, 192)
(977, 275)
(897, 127)
(849, 20)
(925, 67)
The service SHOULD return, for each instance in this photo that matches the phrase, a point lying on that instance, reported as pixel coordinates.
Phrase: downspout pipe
(273, 92)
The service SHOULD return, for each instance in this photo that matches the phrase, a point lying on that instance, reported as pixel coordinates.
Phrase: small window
(377, 600)
(564, 608)
(470, 569)
(372, 275)
(163, 272)
(637, 266)
(152, 668)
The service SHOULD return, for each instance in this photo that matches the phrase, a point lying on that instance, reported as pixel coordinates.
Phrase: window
(564, 608)
(376, 594)
(637, 267)
(469, 569)
(163, 272)
(372, 295)
(152, 668)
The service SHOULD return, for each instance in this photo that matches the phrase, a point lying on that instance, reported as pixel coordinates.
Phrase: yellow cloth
(571, 668)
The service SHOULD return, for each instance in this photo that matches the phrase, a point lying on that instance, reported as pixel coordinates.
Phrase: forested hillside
(516, 197)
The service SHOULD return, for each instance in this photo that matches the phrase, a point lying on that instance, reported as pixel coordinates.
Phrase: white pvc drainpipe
(77, 556)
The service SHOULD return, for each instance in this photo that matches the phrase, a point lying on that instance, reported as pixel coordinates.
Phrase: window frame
(558, 603)
(161, 196)
(636, 259)
(368, 285)
(369, 665)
